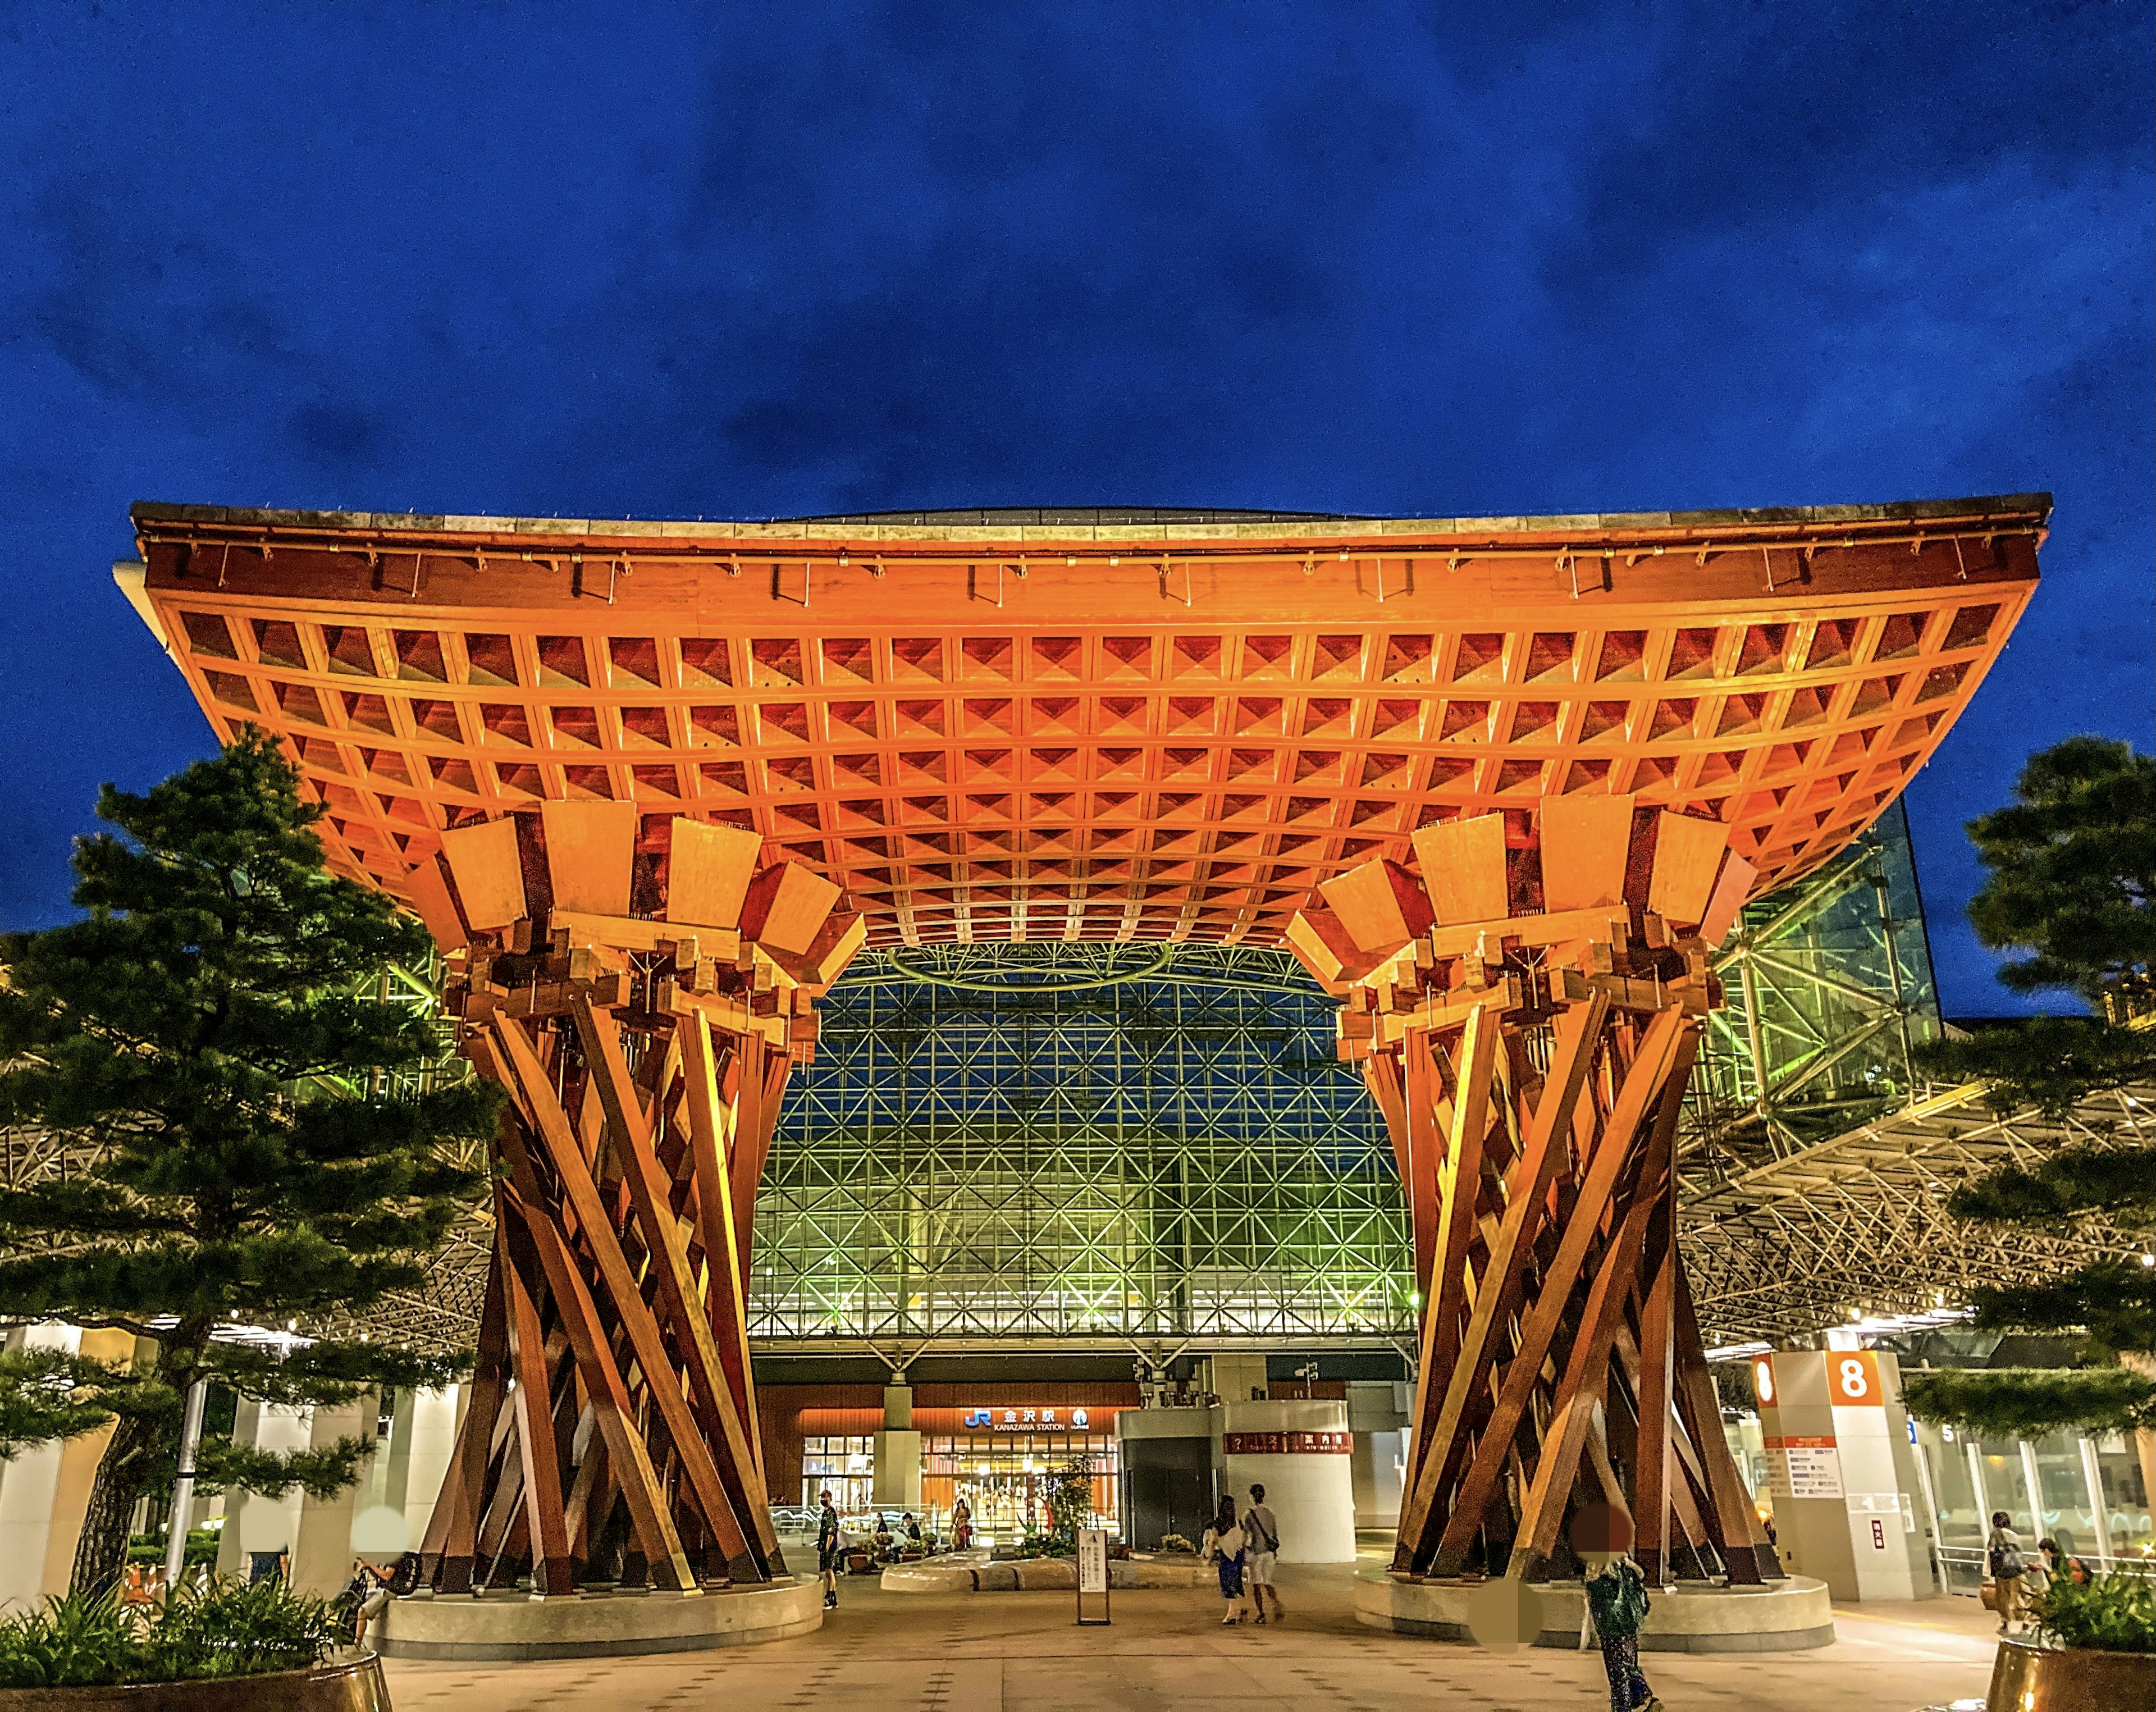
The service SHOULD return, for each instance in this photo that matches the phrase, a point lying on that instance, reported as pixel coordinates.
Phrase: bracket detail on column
(1525, 1010)
(640, 990)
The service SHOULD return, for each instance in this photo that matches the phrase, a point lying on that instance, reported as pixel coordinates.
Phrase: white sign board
(1803, 1467)
(1092, 1560)
(1814, 1471)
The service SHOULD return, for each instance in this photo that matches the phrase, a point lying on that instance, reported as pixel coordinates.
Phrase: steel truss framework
(1835, 1206)
(994, 1155)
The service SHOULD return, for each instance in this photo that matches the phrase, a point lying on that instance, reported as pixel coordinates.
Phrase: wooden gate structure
(644, 1056)
(1527, 1023)
(652, 783)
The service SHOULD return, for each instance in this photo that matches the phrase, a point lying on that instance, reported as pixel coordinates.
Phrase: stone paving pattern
(1167, 1652)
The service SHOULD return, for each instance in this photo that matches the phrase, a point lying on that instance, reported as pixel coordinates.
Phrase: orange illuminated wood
(642, 1061)
(1501, 784)
(1531, 1068)
(1170, 729)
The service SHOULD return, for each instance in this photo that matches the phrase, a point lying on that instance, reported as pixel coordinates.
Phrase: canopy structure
(1092, 725)
(1502, 786)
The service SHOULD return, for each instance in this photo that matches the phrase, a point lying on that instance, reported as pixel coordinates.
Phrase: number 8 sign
(1853, 1379)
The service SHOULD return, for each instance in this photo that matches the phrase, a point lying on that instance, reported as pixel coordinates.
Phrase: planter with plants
(2095, 1645)
(226, 1646)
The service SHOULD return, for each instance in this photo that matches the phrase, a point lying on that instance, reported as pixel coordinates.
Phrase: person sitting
(2060, 1563)
(912, 1528)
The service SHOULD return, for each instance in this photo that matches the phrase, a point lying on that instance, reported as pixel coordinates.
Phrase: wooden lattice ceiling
(1064, 728)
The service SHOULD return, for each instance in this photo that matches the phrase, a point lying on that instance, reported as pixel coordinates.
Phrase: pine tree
(164, 1036)
(2071, 884)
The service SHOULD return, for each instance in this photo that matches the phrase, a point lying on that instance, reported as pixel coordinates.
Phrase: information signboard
(1092, 1575)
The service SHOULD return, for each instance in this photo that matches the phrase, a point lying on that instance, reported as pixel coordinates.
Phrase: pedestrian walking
(1222, 1548)
(829, 1545)
(1261, 1555)
(1617, 1600)
(2003, 1558)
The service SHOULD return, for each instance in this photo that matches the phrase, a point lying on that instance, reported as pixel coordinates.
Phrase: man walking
(1261, 1535)
(828, 1547)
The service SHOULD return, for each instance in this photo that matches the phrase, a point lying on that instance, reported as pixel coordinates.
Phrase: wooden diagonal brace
(1579, 1029)
(1643, 1086)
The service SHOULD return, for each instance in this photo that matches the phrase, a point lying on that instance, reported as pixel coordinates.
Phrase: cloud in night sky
(642, 261)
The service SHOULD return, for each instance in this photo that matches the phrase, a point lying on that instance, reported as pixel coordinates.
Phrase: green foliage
(236, 1628)
(322, 1472)
(1177, 1542)
(200, 1549)
(2051, 1062)
(2112, 1613)
(71, 1643)
(2114, 1301)
(2028, 1402)
(47, 1394)
(2119, 1182)
(2072, 864)
(1070, 1500)
(227, 1629)
(219, 964)
(218, 967)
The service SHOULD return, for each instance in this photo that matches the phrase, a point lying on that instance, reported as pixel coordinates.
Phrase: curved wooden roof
(1093, 724)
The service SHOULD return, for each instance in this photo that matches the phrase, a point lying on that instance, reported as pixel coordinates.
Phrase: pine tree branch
(47, 1394)
(2029, 1402)
(2112, 1301)
(2051, 1062)
(322, 1472)
(2119, 1182)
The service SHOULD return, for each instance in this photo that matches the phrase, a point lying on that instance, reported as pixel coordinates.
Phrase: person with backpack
(2003, 1558)
(1617, 1600)
(1260, 1553)
(1223, 1547)
(829, 1545)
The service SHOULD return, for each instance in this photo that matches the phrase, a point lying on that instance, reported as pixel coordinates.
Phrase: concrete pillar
(1301, 1453)
(1378, 1416)
(408, 1472)
(1839, 1467)
(321, 1532)
(1235, 1376)
(897, 1460)
(44, 1492)
(254, 1524)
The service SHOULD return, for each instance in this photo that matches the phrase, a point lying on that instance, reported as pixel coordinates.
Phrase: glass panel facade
(2125, 1497)
(1041, 1143)
(1005, 1479)
(844, 1467)
(1828, 984)
(1961, 1519)
(1152, 1159)
(2065, 1495)
(2006, 1487)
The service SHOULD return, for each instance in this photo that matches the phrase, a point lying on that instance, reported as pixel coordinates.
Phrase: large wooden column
(1527, 1011)
(639, 991)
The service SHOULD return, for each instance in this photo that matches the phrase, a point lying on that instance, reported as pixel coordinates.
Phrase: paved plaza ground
(1167, 1652)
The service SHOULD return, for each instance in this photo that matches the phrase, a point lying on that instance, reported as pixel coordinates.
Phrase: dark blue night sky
(694, 261)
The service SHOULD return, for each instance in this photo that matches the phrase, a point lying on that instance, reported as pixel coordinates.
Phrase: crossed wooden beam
(1526, 1011)
(643, 1055)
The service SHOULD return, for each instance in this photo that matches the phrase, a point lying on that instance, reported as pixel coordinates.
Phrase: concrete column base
(1782, 1617)
(518, 1628)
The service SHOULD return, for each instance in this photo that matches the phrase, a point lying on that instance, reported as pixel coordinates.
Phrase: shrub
(1176, 1542)
(2112, 1613)
(235, 1628)
(69, 1642)
(227, 1629)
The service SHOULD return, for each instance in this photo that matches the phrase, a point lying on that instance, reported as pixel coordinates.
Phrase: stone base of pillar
(514, 1628)
(1782, 1617)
